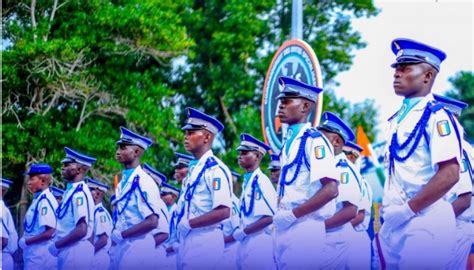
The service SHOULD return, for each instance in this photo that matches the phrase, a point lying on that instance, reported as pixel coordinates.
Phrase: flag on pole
(369, 153)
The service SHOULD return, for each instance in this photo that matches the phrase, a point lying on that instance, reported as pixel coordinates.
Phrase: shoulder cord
(298, 161)
(29, 227)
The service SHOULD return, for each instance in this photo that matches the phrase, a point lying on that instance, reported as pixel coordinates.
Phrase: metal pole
(297, 19)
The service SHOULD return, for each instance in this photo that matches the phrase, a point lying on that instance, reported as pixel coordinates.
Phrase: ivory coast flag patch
(344, 178)
(44, 211)
(258, 195)
(443, 128)
(320, 152)
(79, 201)
(102, 219)
(216, 184)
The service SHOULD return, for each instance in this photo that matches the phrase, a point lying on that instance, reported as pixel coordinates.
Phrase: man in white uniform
(102, 226)
(9, 235)
(360, 248)
(40, 221)
(460, 195)
(75, 215)
(308, 181)
(338, 226)
(137, 206)
(258, 203)
(422, 163)
(207, 196)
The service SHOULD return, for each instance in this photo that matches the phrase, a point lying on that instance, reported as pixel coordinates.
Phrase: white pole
(297, 19)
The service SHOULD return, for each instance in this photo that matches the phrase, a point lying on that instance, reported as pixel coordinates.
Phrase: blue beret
(453, 105)
(295, 88)
(182, 159)
(167, 188)
(156, 175)
(92, 183)
(275, 162)
(413, 52)
(6, 182)
(129, 137)
(250, 143)
(57, 192)
(334, 124)
(353, 146)
(76, 157)
(39, 168)
(200, 120)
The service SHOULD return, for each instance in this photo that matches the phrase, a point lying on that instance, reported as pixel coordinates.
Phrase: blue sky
(444, 24)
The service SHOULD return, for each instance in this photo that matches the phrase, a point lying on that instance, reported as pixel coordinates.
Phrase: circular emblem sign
(297, 60)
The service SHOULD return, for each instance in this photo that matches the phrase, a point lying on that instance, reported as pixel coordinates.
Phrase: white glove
(283, 219)
(239, 235)
(22, 243)
(184, 227)
(397, 215)
(53, 250)
(117, 236)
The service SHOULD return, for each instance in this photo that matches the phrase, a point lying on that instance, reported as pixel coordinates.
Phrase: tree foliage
(463, 89)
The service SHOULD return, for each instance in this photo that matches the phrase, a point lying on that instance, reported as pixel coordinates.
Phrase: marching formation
(310, 211)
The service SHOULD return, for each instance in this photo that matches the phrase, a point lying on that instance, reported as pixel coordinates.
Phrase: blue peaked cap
(199, 120)
(295, 88)
(167, 188)
(354, 146)
(250, 143)
(182, 159)
(57, 192)
(6, 182)
(129, 137)
(155, 174)
(76, 157)
(453, 105)
(93, 183)
(413, 52)
(334, 124)
(275, 162)
(39, 168)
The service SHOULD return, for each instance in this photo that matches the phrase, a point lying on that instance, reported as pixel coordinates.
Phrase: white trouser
(462, 248)
(256, 252)
(101, 260)
(229, 258)
(301, 245)
(114, 253)
(202, 248)
(77, 256)
(337, 244)
(161, 261)
(37, 256)
(424, 242)
(138, 253)
(359, 251)
(7, 261)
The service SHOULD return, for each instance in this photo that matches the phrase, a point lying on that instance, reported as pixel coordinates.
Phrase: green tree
(463, 89)
(77, 70)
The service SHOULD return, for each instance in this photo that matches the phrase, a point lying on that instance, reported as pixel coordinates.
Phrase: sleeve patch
(80, 201)
(102, 219)
(216, 184)
(320, 152)
(443, 128)
(258, 195)
(44, 211)
(344, 178)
